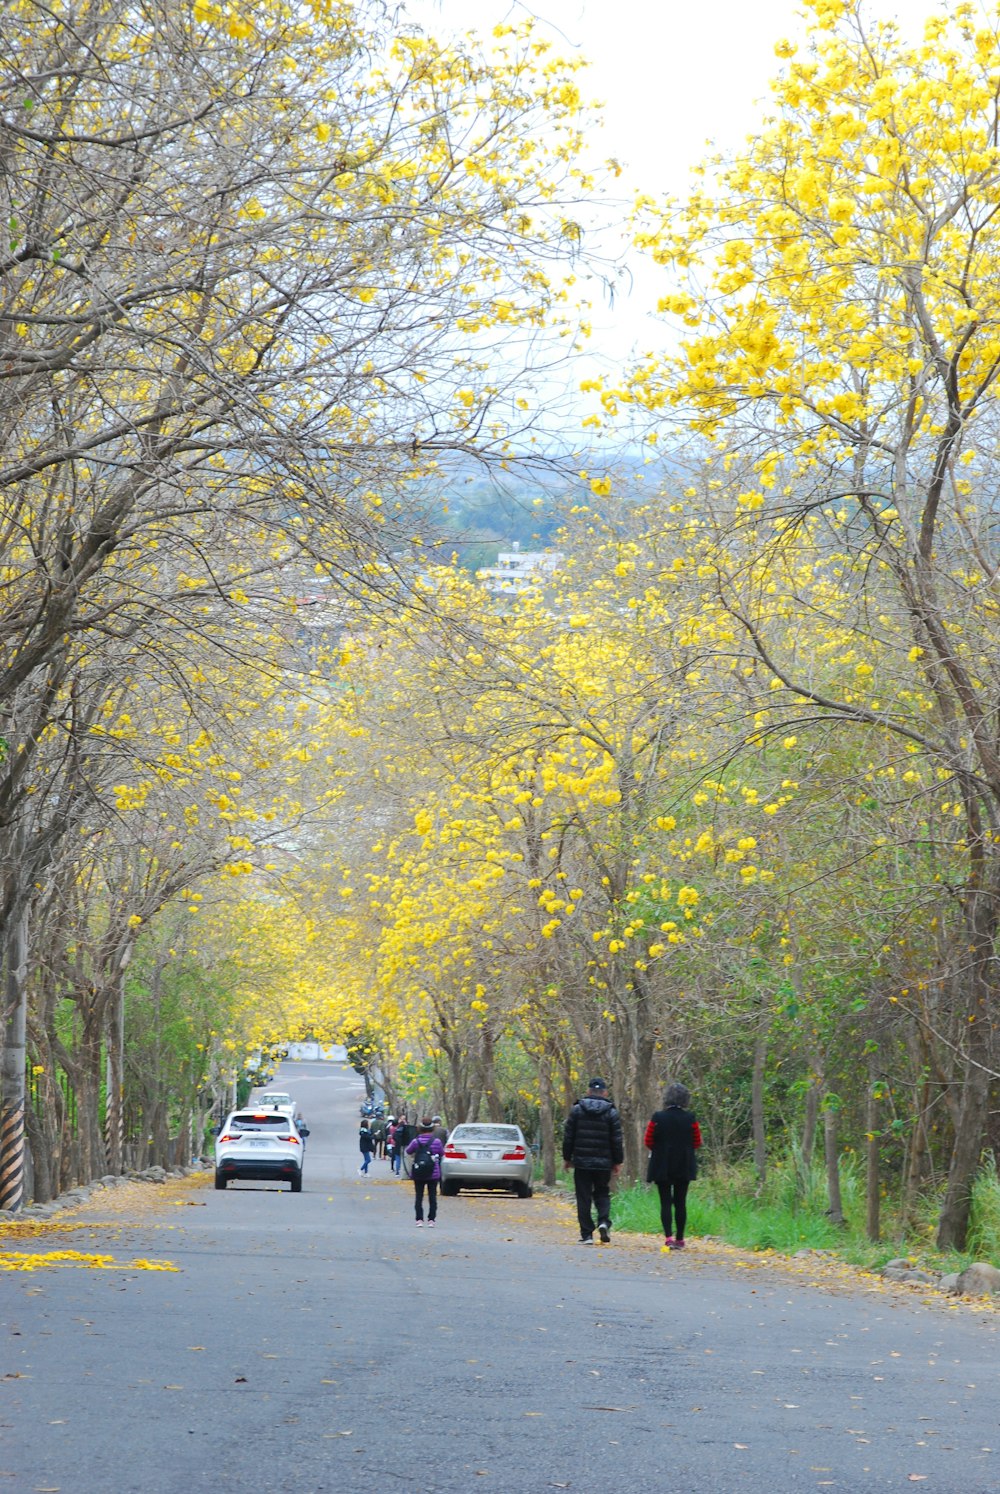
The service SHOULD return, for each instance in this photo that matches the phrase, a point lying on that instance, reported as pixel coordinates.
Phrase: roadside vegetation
(727, 1205)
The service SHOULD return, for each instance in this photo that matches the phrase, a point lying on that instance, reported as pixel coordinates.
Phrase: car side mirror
(303, 1130)
(216, 1130)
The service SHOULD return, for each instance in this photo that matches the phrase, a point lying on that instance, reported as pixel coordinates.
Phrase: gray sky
(677, 81)
(671, 77)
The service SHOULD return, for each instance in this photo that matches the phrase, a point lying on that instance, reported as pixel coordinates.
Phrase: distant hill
(474, 513)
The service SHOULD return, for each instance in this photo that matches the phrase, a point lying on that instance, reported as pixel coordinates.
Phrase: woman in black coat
(673, 1138)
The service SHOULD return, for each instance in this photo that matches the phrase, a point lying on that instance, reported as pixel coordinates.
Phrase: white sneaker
(420, 1224)
(430, 1224)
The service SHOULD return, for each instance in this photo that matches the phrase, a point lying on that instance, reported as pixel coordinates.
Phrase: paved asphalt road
(319, 1342)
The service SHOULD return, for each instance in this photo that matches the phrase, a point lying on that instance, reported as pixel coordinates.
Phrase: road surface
(318, 1342)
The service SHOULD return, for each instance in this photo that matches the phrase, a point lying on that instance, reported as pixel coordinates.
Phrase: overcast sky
(676, 80)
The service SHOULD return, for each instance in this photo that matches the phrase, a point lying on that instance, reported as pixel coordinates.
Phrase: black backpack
(422, 1167)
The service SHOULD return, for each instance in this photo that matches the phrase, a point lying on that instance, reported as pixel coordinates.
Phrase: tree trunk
(487, 1067)
(69, 1145)
(644, 1043)
(631, 1120)
(41, 1158)
(494, 1105)
(872, 1181)
(87, 1084)
(630, 1093)
(810, 1123)
(114, 1115)
(459, 1091)
(970, 1132)
(831, 1151)
(914, 1167)
(160, 1133)
(757, 1106)
(546, 1124)
(953, 1223)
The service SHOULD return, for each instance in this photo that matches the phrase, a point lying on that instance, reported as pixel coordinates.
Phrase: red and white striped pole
(12, 1070)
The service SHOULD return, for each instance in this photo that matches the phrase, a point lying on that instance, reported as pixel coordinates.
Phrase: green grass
(784, 1216)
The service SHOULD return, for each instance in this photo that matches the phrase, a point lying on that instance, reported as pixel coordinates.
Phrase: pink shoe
(420, 1224)
(670, 1242)
(430, 1224)
(677, 1245)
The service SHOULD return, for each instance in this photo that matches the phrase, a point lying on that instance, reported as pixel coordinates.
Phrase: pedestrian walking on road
(392, 1141)
(378, 1137)
(404, 1135)
(673, 1138)
(426, 1151)
(366, 1142)
(593, 1148)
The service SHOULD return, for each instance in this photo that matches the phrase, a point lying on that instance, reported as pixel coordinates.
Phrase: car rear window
(486, 1133)
(248, 1122)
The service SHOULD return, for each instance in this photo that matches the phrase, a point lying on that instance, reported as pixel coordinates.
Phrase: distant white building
(330, 1053)
(517, 570)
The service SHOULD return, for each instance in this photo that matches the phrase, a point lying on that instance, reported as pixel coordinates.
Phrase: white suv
(260, 1144)
(278, 1099)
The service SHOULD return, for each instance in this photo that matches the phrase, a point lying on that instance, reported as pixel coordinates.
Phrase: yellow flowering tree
(256, 261)
(532, 882)
(836, 290)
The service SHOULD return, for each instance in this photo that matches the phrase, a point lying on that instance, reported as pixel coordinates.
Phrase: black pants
(431, 1184)
(673, 1194)
(592, 1184)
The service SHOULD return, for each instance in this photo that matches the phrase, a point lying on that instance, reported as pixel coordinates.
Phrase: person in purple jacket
(426, 1151)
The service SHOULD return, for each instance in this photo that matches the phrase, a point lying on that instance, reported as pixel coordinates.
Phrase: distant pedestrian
(426, 1151)
(673, 1138)
(404, 1135)
(593, 1148)
(378, 1137)
(397, 1140)
(440, 1129)
(366, 1142)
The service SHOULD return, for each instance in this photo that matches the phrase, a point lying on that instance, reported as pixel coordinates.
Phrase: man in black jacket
(592, 1146)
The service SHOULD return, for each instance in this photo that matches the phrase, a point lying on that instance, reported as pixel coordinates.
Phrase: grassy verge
(788, 1215)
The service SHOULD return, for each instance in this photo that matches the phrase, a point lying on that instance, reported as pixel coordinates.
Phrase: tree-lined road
(319, 1342)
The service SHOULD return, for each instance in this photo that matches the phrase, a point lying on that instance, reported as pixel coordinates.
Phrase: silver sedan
(485, 1155)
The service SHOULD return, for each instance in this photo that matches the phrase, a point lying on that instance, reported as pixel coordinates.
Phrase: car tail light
(517, 1155)
(234, 1137)
(453, 1152)
(293, 1139)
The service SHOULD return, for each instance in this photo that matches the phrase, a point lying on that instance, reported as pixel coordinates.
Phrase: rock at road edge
(979, 1279)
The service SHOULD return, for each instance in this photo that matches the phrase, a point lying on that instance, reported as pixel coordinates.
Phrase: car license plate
(260, 1141)
(486, 1154)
